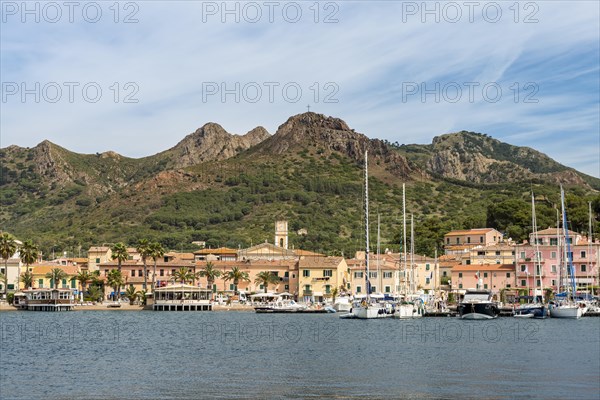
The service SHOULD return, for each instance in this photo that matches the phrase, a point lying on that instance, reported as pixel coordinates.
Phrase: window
(553, 282)
(485, 286)
(231, 286)
(538, 269)
(358, 289)
(523, 267)
(522, 255)
(387, 289)
(460, 285)
(387, 274)
(508, 285)
(141, 272)
(538, 255)
(133, 272)
(328, 273)
(553, 241)
(426, 267)
(553, 255)
(73, 284)
(447, 240)
(485, 274)
(444, 273)
(162, 272)
(214, 288)
(497, 252)
(457, 240)
(172, 271)
(508, 274)
(539, 241)
(583, 254)
(373, 289)
(105, 272)
(328, 289)
(583, 268)
(481, 253)
(130, 257)
(553, 269)
(523, 282)
(427, 281)
(460, 274)
(97, 260)
(286, 274)
(305, 273)
(358, 275)
(480, 239)
(287, 287)
(348, 286)
(469, 239)
(40, 283)
(261, 287)
(539, 283)
(468, 262)
(372, 275)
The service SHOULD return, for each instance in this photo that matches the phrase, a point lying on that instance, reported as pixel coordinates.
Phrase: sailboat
(569, 307)
(412, 305)
(368, 308)
(534, 308)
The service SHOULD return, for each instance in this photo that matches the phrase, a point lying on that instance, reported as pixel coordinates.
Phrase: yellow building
(461, 241)
(318, 276)
(98, 255)
(494, 254)
(40, 280)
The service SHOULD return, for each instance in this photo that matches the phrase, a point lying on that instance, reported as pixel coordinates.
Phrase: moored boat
(478, 304)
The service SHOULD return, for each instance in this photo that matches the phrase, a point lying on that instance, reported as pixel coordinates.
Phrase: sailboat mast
(367, 227)
(589, 270)
(404, 234)
(537, 261)
(413, 288)
(558, 254)
(569, 257)
(378, 252)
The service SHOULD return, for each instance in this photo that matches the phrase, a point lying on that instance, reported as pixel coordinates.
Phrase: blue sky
(369, 64)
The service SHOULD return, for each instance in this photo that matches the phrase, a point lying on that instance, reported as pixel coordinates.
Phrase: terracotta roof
(552, 231)
(469, 232)
(44, 269)
(220, 250)
(250, 264)
(320, 262)
(307, 253)
(484, 267)
(447, 257)
(98, 249)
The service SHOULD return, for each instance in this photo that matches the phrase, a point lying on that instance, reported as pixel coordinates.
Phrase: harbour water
(152, 355)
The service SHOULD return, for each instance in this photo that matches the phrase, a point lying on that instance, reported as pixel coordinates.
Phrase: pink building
(551, 258)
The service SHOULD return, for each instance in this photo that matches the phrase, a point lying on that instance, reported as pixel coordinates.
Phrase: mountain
(229, 189)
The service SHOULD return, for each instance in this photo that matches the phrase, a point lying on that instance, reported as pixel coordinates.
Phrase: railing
(307, 293)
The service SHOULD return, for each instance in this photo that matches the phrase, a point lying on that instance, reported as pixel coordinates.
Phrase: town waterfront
(145, 355)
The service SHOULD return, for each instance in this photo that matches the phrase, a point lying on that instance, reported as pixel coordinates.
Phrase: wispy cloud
(370, 55)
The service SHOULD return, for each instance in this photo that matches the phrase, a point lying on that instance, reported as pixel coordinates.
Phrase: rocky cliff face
(329, 134)
(212, 143)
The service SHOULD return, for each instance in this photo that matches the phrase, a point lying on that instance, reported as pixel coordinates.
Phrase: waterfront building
(493, 277)
(382, 273)
(98, 255)
(181, 297)
(460, 242)
(500, 253)
(40, 281)
(133, 271)
(319, 276)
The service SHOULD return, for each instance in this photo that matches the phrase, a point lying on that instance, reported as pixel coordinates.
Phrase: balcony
(323, 279)
(307, 293)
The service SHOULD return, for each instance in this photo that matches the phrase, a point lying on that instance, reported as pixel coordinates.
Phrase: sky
(136, 77)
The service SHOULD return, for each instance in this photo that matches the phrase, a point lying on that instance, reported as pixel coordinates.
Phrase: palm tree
(143, 247)
(27, 279)
(119, 253)
(156, 251)
(4, 279)
(29, 253)
(84, 277)
(210, 272)
(8, 247)
(266, 278)
(97, 285)
(183, 275)
(334, 294)
(56, 275)
(115, 280)
(95, 293)
(131, 294)
(236, 275)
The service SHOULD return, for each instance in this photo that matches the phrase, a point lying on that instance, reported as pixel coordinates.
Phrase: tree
(114, 279)
(84, 277)
(27, 279)
(8, 247)
(236, 275)
(56, 275)
(265, 278)
(183, 275)
(334, 294)
(95, 293)
(29, 253)
(143, 247)
(131, 294)
(210, 272)
(4, 279)
(119, 253)
(156, 251)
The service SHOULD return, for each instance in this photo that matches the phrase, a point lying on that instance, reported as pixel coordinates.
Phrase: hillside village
(474, 258)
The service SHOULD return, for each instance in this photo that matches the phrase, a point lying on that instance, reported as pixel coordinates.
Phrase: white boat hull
(477, 316)
(342, 307)
(407, 311)
(370, 312)
(566, 312)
